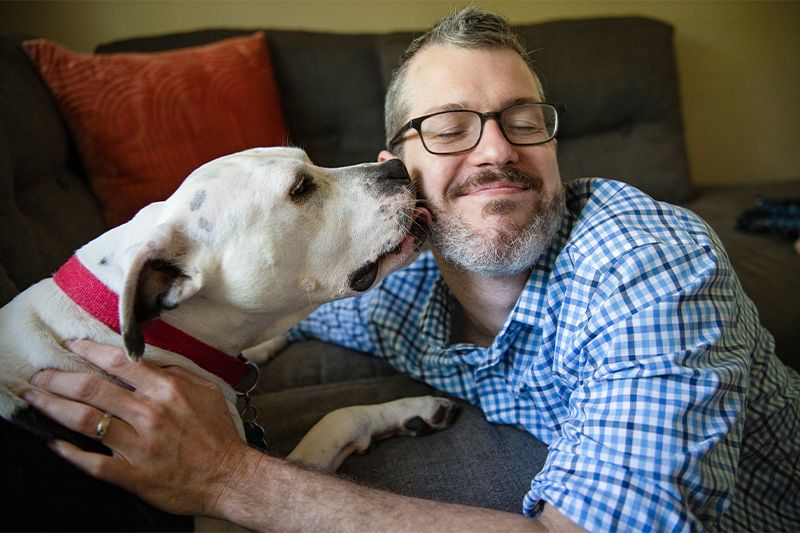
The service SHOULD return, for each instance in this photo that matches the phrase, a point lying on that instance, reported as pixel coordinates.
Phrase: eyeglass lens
(454, 131)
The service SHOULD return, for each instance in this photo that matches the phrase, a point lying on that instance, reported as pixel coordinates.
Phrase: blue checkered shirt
(632, 352)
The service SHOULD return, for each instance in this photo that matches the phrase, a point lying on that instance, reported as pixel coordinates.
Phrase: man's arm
(305, 500)
(656, 414)
(175, 446)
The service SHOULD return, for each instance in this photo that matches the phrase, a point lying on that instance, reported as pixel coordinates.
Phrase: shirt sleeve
(343, 322)
(660, 374)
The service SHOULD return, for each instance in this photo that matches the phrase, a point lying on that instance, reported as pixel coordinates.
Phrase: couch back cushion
(616, 76)
(618, 79)
(46, 207)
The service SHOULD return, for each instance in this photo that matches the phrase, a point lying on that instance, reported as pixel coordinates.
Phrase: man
(608, 325)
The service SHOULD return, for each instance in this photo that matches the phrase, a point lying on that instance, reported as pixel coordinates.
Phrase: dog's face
(289, 226)
(267, 228)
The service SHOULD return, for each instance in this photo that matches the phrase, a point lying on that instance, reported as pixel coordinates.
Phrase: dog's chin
(407, 249)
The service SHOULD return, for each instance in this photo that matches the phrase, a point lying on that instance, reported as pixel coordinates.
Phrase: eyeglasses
(450, 132)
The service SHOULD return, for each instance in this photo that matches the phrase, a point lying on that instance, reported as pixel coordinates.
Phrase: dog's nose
(394, 169)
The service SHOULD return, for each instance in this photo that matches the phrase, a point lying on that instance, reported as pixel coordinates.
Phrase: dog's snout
(394, 169)
(393, 177)
(389, 178)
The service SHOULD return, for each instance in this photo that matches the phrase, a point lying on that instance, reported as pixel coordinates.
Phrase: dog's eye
(302, 187)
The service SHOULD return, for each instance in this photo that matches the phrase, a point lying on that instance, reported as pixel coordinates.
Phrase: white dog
(249, 244)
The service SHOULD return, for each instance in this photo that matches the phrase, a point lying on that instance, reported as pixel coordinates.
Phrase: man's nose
(494, 148)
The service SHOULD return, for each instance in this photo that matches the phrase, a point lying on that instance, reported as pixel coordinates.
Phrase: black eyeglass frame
(415, 124)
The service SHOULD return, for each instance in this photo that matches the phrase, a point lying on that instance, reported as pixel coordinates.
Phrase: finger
(103, 467)
(112, 359)
(90, 389)
(80, 417)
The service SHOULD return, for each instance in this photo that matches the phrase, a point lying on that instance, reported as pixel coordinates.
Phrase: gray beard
(502, 251)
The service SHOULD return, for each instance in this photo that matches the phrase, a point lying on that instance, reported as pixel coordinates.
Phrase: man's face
(489, 200)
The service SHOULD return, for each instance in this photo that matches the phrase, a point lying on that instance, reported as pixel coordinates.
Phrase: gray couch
(618, 80)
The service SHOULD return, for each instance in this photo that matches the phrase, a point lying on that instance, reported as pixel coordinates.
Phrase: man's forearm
(219, 475)
(269, 494)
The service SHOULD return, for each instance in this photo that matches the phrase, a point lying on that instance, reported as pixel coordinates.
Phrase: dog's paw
(267, 350)
(433, 414)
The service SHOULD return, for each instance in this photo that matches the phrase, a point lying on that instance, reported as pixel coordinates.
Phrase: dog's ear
(160, 275)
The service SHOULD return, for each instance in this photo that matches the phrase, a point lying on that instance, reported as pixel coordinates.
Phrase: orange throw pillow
(143, 122)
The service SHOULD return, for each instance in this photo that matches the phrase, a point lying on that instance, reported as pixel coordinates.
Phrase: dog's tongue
(422, 223)
(423, 212)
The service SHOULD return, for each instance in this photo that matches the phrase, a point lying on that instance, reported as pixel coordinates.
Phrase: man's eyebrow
(446, 107)
(520, 101)
(463, 107)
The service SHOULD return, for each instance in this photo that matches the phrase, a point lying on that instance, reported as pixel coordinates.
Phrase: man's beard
(507, 248)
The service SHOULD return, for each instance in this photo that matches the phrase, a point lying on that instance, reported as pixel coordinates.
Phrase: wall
(738, 61)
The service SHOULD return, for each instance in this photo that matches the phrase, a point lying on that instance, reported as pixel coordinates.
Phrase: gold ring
(102, 426)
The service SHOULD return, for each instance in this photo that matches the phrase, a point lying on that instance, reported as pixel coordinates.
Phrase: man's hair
(468, 28)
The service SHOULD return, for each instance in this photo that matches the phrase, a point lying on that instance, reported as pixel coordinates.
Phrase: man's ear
(385, 156)
(161, 274)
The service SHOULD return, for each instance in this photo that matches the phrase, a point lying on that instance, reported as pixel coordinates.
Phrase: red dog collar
(102, 303)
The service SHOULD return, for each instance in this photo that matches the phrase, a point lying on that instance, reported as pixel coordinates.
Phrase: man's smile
(491, 183)
(500, 188)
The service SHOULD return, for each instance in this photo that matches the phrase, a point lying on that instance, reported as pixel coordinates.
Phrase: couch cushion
(617, 77)
(47, 208)
(473, 462)
(143, 122)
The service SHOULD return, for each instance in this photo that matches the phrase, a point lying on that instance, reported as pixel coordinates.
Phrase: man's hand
(175, 446)
(173, 441)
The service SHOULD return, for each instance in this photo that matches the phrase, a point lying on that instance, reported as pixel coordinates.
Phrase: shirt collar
(438, 309)
(530, 306)
(436, 319)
